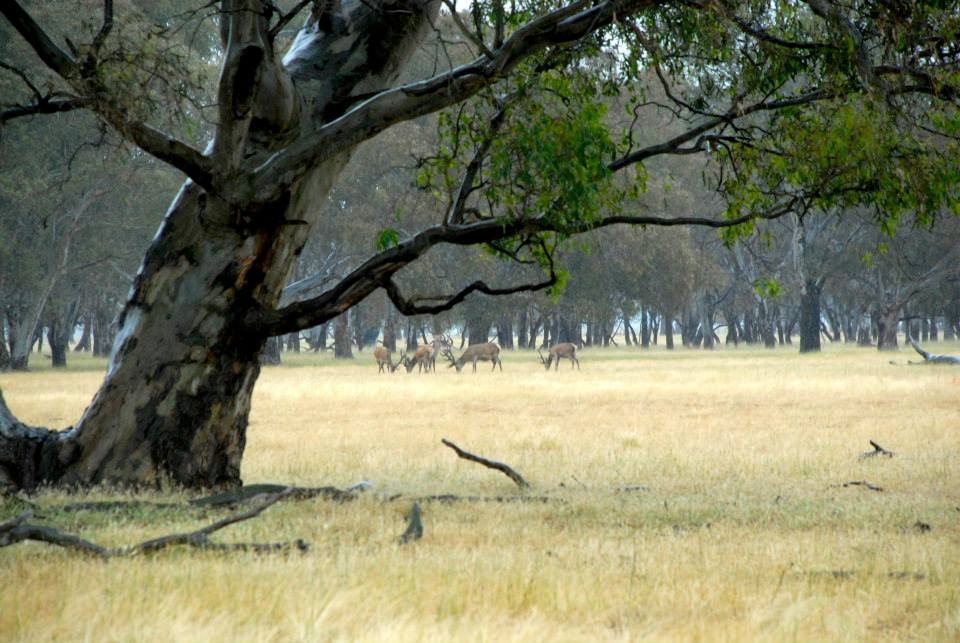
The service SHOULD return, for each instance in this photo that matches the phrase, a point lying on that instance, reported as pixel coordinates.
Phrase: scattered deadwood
(414, 529)
(930, 358)
(877, 450)
(17, 530)
(862, 483)
(490, 464)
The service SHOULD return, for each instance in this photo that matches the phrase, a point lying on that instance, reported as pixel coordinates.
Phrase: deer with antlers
(565, 349)
(488, 352)
(384, 357)
(426, 355)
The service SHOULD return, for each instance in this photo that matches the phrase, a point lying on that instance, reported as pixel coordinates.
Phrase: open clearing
(738, 527)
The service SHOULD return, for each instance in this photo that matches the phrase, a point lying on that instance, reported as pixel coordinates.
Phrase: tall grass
(735, 526)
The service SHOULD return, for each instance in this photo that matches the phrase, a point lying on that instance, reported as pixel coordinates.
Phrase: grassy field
(738, 527)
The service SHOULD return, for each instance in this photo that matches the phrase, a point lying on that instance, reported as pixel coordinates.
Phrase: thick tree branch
(558, 28)
(52, 56)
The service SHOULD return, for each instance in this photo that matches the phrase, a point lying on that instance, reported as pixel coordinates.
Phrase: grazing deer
(565, 349)
(488, 352)
(384, 357)
(424, 357)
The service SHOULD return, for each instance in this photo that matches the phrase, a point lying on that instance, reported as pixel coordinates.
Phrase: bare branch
(408, 308)
(490, 464)
(52, 56)
(17, 530)
(43, 106)
(285, 18)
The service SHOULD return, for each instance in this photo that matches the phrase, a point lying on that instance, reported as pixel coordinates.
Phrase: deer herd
(424, 359)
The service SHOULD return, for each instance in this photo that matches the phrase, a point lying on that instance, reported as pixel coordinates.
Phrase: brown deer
(384, 357)
(565, 349)
(488, 352)
(424, 357)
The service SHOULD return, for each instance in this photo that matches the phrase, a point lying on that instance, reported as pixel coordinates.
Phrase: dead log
(930, 358)
(414, 529)
(490, 464)
(877, 450)
(17, 530)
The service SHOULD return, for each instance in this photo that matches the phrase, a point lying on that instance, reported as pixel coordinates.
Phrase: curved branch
(378, 270)
(408, 308)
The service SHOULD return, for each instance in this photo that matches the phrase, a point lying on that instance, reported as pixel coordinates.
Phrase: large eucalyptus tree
(534, 154)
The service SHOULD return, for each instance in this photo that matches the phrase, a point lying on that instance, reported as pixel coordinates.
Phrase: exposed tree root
(17, 530)
(877, 450)
(490, 464)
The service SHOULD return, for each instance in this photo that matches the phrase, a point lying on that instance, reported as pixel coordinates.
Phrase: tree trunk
(84, 344)
(644, 329)
(887, 322)
(270, 355)
(505, 332)
(810, 317)
(706, 326)
(390, 332)
(478, 329)
(342, 346)
(522, 341)
(668, 329)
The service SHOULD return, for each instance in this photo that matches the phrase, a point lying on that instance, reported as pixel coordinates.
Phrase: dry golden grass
(741, 534)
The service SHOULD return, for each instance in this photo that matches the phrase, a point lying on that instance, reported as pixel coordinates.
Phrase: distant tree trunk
(644, 329)
(293, 342)
(810, 316)
(626, 330)
(535, 324)
(104, 330)
(924, 330)
(887, 322)
(522, 329)
(654, 325)
(356, 317)
(478, 330)
(342, 348)
(411, 336)
(864, 337)
(934, 334)
(706, 326)
(84, 344)
(949, 328)
(390, 332)
(668, 329)
(505, 332)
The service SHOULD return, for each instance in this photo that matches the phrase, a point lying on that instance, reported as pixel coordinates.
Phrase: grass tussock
(737, 528)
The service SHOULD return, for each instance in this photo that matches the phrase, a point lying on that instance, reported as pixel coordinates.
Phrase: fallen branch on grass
(877, 450)
(930, 358)
(490, 464)
(17, 530)
(414, 529)
(862, 483)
